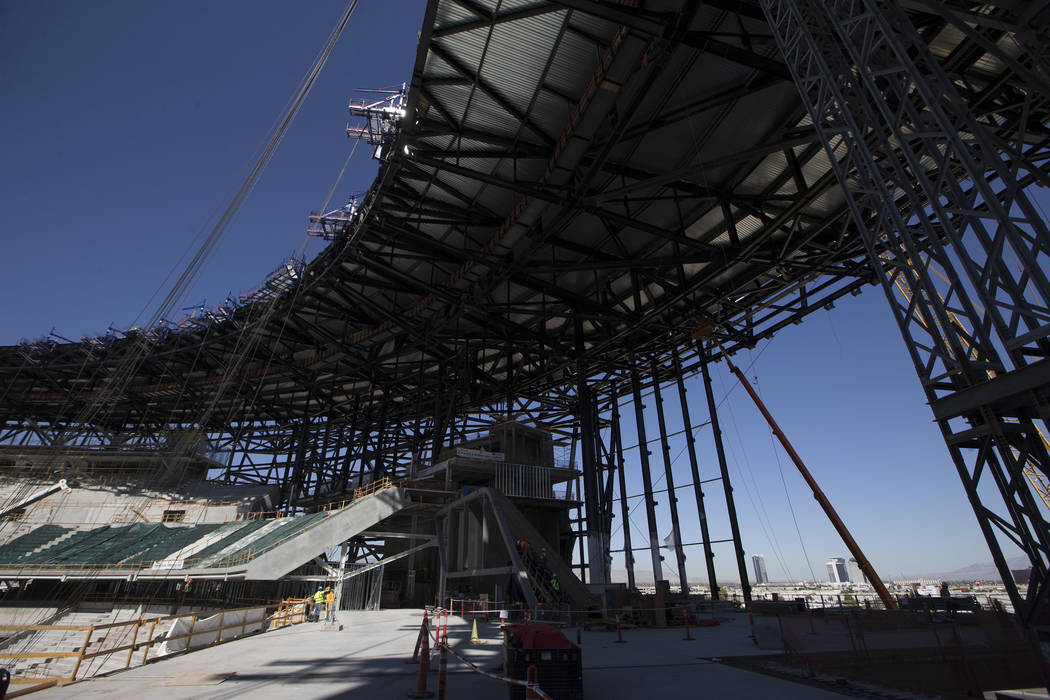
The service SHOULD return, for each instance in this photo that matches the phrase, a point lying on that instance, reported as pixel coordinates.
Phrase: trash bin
(559, 666)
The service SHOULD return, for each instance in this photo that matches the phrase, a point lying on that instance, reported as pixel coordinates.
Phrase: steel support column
(625, 511)
(694, 465)
(727, 487)
(647, 479)
(294, 476)
(597, 536)
(672, 495)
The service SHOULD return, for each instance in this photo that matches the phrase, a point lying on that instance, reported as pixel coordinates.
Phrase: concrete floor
(366, 661)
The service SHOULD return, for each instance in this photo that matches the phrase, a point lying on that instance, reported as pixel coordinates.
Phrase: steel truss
(539, 246)
(940, 187)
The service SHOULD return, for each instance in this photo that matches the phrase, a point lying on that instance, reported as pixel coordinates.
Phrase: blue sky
(128, 126)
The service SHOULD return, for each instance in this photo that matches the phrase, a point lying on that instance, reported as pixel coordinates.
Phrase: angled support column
(963, 251)
(597, 536)
(672, 494)
(625, 510)
(727, 487)
(294, 478)
(694, 465)
(647, 478)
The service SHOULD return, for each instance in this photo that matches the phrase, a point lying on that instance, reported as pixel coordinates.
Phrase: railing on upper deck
(529, 481)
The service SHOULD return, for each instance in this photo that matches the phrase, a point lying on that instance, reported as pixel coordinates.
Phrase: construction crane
(1036, 478)
(865, 565)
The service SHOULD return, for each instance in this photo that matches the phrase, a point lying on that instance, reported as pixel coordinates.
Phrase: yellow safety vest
(318, 597)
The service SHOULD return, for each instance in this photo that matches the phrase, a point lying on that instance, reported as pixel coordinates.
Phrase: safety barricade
(440, 633)
(529, 687)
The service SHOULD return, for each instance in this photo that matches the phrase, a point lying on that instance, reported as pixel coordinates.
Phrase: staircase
(571, 589)
(542, 579)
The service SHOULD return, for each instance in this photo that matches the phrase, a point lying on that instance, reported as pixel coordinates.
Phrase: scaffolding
(382, 119)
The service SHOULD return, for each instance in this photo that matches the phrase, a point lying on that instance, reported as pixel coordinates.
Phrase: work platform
(366, 661)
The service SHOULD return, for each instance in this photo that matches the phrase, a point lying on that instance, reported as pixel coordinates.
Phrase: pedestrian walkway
(366, 661)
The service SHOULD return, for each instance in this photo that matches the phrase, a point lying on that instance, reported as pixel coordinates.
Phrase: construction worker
(329, 604)
(318, 602)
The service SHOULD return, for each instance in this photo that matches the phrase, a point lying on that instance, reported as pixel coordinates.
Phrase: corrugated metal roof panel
(764, 175)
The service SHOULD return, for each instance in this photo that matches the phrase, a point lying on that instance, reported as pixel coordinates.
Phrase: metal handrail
(289, 611)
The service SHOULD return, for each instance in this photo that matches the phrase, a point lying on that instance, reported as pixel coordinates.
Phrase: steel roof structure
(527, 210)
(576, 192)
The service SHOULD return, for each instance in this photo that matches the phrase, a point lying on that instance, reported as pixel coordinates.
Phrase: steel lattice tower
(942, 208)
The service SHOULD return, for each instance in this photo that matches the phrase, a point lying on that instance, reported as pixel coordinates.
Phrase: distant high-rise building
(855, 574)
(837, 570)
(759, 562)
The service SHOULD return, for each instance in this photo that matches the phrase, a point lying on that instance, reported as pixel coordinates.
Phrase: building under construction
(580, 204)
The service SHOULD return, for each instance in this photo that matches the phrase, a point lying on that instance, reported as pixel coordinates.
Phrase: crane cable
(117, 382)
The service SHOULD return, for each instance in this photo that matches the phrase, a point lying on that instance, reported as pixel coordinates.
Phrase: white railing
(527, 481)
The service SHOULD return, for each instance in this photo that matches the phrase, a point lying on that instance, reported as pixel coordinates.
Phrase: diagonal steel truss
(522, 254)
(944, 186)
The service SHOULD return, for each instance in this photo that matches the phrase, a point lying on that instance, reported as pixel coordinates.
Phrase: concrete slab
(366, 661)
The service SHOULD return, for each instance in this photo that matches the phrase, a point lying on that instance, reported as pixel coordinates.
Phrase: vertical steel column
(294, 477)
(337, 589)
(416, 443)
(580, 534)
(597, 535)
(665, 447)
(597, 539)
(320, 473)
(440, 416)
(350, 442)
(365, 435)
(608, 460)
(410, 576)
(441, 529)
(647, 479)
(727, 486)
(463, 546)
(625, 511)
(694, 465)
(378, 456)
(972, 262)
(509, 352)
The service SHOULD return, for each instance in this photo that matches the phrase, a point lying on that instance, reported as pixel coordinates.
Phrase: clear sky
(127, 126)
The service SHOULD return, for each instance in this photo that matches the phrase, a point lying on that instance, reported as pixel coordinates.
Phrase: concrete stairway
(285, 556)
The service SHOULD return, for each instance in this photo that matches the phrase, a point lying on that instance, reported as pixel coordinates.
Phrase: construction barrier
(443, 668)
(197, 632)
(619, 632)
(424, 666)
(129, 637)
(443, 645)
(532, 678)
(419, 639)
(513, 681)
